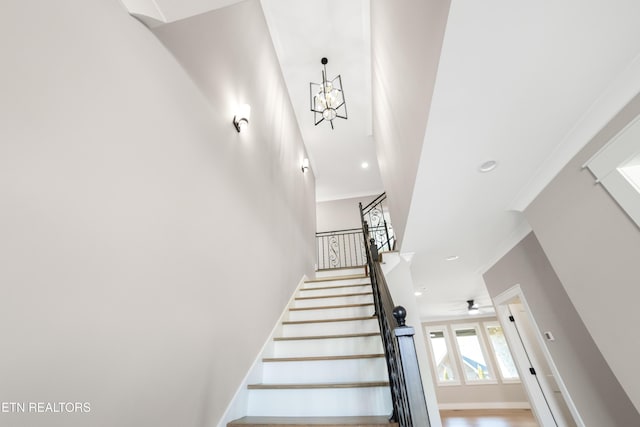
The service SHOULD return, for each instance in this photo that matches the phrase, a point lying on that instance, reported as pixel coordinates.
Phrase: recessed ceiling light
(417, 293)
(364, 165)
(452, 258)
(488, 166)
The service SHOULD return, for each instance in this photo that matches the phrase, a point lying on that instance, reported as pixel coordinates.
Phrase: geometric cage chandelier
(327, 98)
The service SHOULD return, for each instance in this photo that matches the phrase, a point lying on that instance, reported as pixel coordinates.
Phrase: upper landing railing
(377, 217)
(346, 248)
(340, 249)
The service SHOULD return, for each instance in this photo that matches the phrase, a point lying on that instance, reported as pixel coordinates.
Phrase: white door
(539, 369)
(537, 399)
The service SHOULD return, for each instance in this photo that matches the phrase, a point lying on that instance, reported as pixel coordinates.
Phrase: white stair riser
(328, 347)
(324, 371)
(330, 328)
(320, 402)
(342, 272)
(331, 313)
(343, 300)
(334, 291)
(358, 401)
(343, 282)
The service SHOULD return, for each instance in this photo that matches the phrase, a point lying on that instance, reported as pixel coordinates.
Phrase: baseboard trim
(483, 405)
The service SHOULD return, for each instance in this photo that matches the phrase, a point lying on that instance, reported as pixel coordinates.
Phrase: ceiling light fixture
(488, 166)
(364, 165)
(417, 293)
(305, 165)
(452, 258)
(472, 307)
(327, 98)
(241, 119)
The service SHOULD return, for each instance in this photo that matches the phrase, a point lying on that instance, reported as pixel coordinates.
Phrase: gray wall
(399, 75)
(340, 214)
(594, 248)
(464, 395)
(594, 389)
(146, 248)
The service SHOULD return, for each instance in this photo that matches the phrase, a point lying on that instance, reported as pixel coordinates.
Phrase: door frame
(534, 389)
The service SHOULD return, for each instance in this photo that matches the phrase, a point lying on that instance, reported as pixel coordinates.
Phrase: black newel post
(374, 249)
(417, 402)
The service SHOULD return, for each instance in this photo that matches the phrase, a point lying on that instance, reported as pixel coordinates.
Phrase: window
(443, 360)
(475, 365)
(469, 359)
(506, 367)
(617, 167)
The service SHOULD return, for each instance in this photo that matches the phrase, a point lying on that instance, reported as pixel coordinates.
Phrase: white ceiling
(514, 80)
(516, 83)
(303, 32)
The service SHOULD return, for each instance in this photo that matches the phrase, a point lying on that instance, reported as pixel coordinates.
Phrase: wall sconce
(241, 119)
(305, 165)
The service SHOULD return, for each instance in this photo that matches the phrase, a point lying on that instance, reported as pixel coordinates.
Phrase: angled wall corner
(146, 11)
(403, 80)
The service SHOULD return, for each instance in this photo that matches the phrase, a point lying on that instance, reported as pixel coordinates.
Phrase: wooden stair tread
(321, 337)
(330, 279)
(321, 358)
(356, 285)
(327, 307)
(355, 267)
(318, 385)
(336, 296)
(362, 421)
(341, 319)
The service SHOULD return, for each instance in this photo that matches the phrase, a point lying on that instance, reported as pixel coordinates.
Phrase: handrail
(407, 394)
(375, 201)
(319, 233)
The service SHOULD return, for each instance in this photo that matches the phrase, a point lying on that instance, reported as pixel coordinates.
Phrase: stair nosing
(321, 337)
(336, 287)
(329, 279)
(322, 358)
(334, 296)
(342, 319)
(332, 421)
(355, 267)
(366, 384)
(329, 307)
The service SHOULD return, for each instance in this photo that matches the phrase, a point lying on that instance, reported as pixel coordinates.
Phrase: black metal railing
(407, 393)
(379, 229)
(340, 249)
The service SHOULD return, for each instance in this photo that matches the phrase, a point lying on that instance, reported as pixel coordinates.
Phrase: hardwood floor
(488, 418)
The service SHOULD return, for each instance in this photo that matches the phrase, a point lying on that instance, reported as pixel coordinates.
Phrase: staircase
(326, 367)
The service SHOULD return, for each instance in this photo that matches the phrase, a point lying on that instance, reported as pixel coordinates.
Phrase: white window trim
(606, 166)
(483, 348)
(453, 354)
(493, 324)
